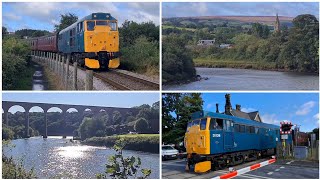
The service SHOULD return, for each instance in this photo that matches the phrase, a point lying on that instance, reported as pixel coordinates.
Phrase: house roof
(250, 115)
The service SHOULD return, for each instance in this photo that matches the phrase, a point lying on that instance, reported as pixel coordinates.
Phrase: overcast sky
(43, 15)
(175, 9)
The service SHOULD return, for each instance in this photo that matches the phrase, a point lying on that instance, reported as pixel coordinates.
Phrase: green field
(228, 63)
(180, 28)
(136, 142)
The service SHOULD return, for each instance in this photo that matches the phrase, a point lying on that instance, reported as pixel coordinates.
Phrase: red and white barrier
(245, 170)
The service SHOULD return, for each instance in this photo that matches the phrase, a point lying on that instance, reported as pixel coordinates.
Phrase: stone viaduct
(6, 105)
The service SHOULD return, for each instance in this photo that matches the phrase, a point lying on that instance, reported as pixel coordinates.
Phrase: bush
(142, 56)
(10, 170)
(7, 133)
(14, 61)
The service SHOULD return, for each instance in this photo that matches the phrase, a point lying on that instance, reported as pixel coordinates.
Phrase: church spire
(277, 24)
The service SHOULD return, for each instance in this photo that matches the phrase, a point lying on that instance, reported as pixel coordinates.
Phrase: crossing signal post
(285, 130)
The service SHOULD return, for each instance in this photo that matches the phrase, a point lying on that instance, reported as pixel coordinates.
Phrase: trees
(65, 21)
(4, 31)
(177, 64)
(141, 125)
(176, 112)
(116, 117)
(91, 127)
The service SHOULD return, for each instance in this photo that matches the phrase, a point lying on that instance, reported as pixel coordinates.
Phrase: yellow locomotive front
(101, 40)
(197, 143)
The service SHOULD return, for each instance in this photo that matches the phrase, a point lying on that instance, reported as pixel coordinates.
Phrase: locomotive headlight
(95, 15)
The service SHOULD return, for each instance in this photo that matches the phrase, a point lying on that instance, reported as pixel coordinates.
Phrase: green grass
(180, 28)
(229, 63)
(136, 142)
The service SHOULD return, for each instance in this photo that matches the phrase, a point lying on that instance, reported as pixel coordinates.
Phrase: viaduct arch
(6, 105)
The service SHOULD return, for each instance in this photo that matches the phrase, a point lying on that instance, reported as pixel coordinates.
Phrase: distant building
(228, 46)
(255, 116)
(206, 42)
(277, 25)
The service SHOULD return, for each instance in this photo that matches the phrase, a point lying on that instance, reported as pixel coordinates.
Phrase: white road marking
(282, 167)
(254, 176)
(269, 173)
(277, 170)
(290, 162)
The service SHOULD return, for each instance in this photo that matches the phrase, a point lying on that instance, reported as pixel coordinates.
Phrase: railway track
(122, 81)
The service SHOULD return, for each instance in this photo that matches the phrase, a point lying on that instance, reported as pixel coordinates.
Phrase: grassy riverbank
(136, 142)
(241, 64)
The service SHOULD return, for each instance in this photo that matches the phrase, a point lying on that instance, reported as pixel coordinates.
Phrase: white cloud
(209, 106)
(247, 110)
(12, 17)
(305, 108)
(49, 12)
(271, 119)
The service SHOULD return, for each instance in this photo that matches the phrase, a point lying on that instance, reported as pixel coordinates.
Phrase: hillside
(233, 20)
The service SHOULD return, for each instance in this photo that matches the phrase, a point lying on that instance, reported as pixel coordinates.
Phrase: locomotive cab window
(101, 23)
(195, 122)
(229, 125)
(90, 25)
(203, 124)
(113, 26)
(216, 124)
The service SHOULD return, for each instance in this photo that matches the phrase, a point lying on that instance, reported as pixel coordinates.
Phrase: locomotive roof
(92, 16)
(201, 114)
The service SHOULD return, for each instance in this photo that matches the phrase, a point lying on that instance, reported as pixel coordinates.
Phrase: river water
(59, 158)
(38, 79)
(247, 79)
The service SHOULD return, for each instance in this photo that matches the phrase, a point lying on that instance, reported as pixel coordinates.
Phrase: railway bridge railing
(67, 74)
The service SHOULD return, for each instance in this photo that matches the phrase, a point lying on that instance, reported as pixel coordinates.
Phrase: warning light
(285, 127)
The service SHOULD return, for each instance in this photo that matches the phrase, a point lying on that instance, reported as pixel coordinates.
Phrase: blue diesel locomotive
(216, 140)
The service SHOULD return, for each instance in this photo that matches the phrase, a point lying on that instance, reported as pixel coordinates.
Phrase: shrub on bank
(139, 142)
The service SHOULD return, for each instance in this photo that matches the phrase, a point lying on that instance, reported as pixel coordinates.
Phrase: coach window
(242, 128)
(256, 130)
(247, 129)
(90, 25)
(236, 128)
(80, 26)
(203, 124)
(251, 129)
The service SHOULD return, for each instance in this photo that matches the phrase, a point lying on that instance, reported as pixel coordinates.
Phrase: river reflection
(60, 158)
